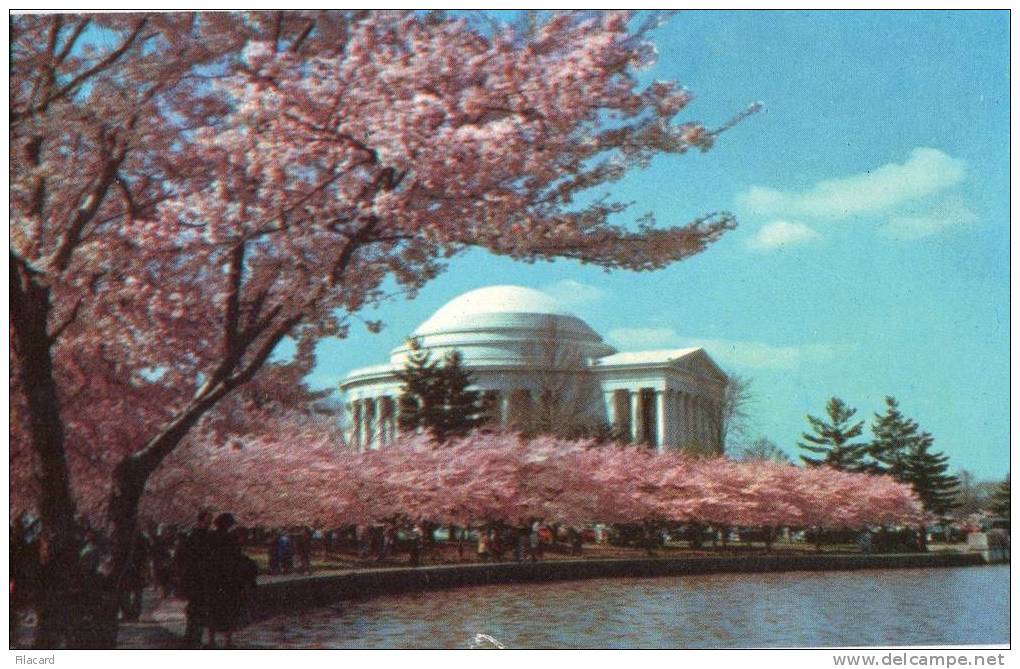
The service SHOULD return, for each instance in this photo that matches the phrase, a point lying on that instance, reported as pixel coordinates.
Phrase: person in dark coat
(193, 581)
(162, 560)
(135, 578)
(282, 555)
(232, 577)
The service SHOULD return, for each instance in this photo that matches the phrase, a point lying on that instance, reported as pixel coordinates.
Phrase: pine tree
(894, 436)
(902, 450)
(463, 408)
(421, 398)
(925, 471)
(435, 396)
(833, 439)
(1000, 499)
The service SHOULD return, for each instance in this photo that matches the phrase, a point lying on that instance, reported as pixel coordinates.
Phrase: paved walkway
(162, 622)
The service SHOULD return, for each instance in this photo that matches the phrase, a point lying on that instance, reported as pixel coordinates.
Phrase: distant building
(519, 343)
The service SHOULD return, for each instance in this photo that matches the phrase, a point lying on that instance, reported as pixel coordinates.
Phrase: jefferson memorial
(515, 340)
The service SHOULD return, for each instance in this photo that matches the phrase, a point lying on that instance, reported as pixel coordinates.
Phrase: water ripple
(866, 608)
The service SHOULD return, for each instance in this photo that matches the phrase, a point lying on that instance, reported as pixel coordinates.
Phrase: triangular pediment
(701, 364)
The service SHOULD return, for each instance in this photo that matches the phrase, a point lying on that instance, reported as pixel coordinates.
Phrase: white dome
(463, 309)
(504, 326)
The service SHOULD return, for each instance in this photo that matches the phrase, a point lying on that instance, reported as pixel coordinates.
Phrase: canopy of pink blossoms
(488, 477)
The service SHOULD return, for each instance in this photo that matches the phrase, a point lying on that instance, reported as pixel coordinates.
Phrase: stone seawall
(297, 593)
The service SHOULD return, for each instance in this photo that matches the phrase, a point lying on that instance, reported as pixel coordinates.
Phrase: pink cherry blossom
(191, 190)
(500, 477)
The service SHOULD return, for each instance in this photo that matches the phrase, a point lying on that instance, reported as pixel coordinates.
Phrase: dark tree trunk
(30, 309)
(129, 479)
(77, 606)
(76, 609)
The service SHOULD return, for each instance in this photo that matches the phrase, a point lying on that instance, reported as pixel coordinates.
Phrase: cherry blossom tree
(301, 475)
(486, 477)
(189, 190)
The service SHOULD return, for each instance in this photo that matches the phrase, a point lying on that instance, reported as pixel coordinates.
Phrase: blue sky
(872, 254)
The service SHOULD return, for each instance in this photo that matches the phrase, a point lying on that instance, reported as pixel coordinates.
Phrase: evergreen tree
(902, 450)
(463, 410)
(925, 471)
(421, 397)
(435, 396)
(1000, 499)
(832, 439)
(894, 436)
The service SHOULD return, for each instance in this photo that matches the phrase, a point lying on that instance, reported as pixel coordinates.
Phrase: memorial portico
(667, 399)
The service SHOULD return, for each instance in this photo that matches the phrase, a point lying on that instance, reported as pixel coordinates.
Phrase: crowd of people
(216, 578)
(494, 541)
(205, 565)
(290, 544)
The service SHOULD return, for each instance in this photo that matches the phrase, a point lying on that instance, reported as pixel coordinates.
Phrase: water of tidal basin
(901, 607)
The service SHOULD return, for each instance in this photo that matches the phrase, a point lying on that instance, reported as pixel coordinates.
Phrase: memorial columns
(660, 420)
(503, 401)
(622, 419)
(369, 415)
(636, 433)
(356, 437)
(676, 418)
(383, 418)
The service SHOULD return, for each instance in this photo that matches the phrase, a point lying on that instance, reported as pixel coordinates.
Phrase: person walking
(193, 578)
(135, 577)
(232, 579)
(361, 537)
(390, 541)
(162, 560)
(415, 546)
(575, 540)
(535, 542)
(283, 553)
(483, 545)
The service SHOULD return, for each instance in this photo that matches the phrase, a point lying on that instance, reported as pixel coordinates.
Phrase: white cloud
(945, 216)
(781, 234)
(574, 293)
(742, 354)
(926, 172)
